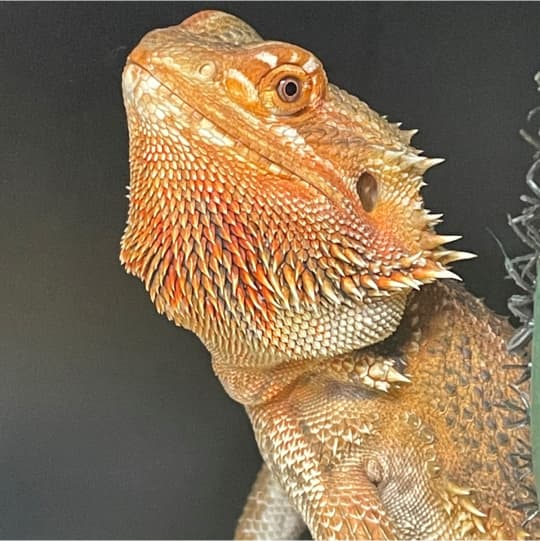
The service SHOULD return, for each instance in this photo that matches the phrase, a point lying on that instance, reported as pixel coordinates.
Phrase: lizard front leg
(333, 492)
(351, 506)
(268, 513)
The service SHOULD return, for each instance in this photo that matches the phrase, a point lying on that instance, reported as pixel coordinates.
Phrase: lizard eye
(367, 189)
(289, 89)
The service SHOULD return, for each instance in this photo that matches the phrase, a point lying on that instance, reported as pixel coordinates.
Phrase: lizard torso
(280, 219)
(436, 460)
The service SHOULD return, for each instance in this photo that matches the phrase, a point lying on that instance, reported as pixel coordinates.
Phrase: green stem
(535, 386)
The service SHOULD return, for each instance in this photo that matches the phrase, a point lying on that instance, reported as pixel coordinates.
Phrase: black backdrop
(111, 422)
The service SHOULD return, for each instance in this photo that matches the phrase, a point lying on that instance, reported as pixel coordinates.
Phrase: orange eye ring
(288, 89)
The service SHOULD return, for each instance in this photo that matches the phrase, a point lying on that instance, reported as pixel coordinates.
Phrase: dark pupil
(291, 89)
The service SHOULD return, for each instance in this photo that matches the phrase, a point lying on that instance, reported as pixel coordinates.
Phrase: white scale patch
(290, 133)
(311, 65)
(208, 131)
(152, 83)
(268, 58)
(245, 82)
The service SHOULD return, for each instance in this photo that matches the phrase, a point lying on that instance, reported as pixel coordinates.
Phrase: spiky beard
(230, 235)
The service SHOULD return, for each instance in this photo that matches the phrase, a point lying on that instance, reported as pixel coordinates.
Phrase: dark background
(111, 422)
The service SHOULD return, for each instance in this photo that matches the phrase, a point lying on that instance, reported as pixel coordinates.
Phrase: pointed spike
(431, 162)
(337, 252)
(456, 490)
(270, 297)
(350, 288)
(354, 257)
(260, 276)
(327, 289)
(309, 285)
(290, 278)
(479, 524)
(381, 386)
(412, 160)
(278, 289)
(467, 504)
(433, 219)
(409, 261)
(347, 255)
(430, 274)
(254, 298)
(448, 507)
(445, 273)
(379, 370)
(431, 241)
(367, 281)
(394, 376)
(449, 256)
(445, 239)
(411, 282)
(391, 284)
(466, 527)
(409, 134)
(393, 155)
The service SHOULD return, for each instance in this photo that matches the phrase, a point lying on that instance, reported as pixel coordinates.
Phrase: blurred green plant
(524, 270)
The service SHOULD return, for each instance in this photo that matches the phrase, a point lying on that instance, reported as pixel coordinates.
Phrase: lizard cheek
(367, 190)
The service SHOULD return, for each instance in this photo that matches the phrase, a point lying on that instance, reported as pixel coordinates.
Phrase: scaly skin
(280, 219)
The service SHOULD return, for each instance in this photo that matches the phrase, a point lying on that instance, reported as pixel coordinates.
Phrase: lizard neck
(252, 385)
(370, 369)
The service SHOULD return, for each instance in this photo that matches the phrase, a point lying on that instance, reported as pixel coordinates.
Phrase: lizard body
(280, 219)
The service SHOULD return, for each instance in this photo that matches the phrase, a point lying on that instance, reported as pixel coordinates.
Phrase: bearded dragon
(280, 219)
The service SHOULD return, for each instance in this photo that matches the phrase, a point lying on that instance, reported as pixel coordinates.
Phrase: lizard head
(269, 208)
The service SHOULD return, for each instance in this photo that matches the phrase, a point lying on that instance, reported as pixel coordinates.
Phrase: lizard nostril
(206, 70)
(366, 187)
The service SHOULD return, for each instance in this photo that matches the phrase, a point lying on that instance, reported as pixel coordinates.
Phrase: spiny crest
(392, 242)
(402, 208)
